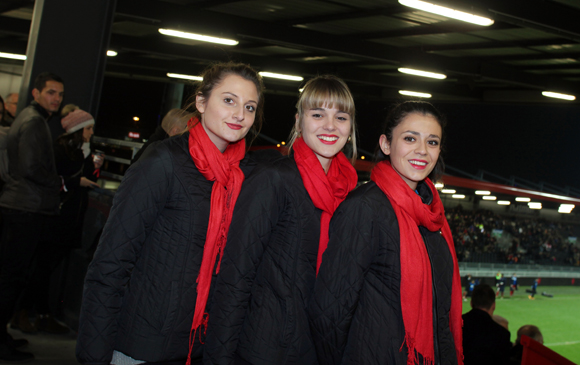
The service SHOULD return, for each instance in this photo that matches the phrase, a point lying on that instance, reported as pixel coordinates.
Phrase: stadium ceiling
(533, 45)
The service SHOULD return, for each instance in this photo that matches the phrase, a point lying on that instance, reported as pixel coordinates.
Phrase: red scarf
(416, 281)
(223, 168)
(327, 191)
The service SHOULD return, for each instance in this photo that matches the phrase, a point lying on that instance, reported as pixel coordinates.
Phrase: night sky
(533, 142)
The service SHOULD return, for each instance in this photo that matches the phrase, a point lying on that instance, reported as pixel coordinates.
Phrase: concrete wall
(10, 79)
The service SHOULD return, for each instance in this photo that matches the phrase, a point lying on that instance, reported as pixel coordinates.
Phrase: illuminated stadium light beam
(198, 37)
(458, 196)
(414, 93)
(111, 53)
(447, 12)
(558, 95)
(448, 191)
(281, 76)
(439, 185)
(13, 56)
(185, 77)
(503, 202)
(482, 192)
(489, 197)
(412, 71)
(523, 199)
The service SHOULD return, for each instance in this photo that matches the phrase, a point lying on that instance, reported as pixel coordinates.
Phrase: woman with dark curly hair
(388, 290)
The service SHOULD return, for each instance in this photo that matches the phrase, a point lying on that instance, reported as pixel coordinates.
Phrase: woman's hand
(98, 160)
(86, 183)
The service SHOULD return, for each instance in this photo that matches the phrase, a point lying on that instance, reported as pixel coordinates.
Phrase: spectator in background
(532, 332)
(75, 164)
(484, 340)
(28, 198)
(174, 122)
(3, 113)
(10, 104)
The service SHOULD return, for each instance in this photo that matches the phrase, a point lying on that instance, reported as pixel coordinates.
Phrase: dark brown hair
(396, 117)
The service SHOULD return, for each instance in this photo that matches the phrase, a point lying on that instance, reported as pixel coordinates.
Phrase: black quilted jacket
(355, 310)
(267, 273)
(140, 288)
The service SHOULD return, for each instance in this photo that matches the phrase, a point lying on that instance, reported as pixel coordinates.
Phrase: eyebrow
(231, 93)
(324, 109)
(417, 134)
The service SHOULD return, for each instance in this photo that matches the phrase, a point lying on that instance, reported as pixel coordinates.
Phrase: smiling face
(414, 148)
(229, 112)
(50, 97)
(325, 130)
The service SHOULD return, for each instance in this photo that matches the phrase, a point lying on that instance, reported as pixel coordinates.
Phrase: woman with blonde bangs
(278, 235)
(147, 290)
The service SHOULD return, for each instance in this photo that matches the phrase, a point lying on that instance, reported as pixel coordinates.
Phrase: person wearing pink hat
(80, 170)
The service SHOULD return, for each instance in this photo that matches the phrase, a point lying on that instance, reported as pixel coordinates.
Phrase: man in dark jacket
(484, 341)
(29, 196)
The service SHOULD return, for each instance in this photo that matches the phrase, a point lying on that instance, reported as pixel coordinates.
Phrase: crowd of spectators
(484, 236)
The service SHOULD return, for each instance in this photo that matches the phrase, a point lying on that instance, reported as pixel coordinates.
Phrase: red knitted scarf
(416, 280)
(328, 190)
(223, 169)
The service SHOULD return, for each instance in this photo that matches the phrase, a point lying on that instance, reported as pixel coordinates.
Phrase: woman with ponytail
(147, 290)
(278, 234)
(388, 290)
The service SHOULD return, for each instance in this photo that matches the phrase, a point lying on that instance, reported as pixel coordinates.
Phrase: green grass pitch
(558, 318)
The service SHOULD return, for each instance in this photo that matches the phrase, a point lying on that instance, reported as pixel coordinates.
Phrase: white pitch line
(561, 343)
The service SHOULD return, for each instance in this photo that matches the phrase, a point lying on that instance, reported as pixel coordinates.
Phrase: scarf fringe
(414, 359)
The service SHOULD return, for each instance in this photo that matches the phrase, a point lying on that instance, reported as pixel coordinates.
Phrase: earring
(349, 138)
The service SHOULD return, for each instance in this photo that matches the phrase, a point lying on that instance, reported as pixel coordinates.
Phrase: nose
(421, 148)
(329, 124)
(239, 114)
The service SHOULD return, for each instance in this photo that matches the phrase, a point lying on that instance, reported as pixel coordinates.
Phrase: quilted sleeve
(139, 200)
(340, 279)
(255, 214)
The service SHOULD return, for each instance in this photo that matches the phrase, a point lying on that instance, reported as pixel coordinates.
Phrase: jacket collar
(40, 110)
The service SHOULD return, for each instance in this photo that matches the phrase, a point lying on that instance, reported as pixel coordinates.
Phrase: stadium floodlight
(447, 12)
(523, 199)
(503, 202)
(482, 192)
(448, 191)
(458, 196)
(281, 76)
(412, 71)
(489, 197)
(566, 208)
(198, 37)
(534, 205)
(13, 56)
(111, 53)
(439, 185)
(185, 77)
(558, 95)
(414, 93)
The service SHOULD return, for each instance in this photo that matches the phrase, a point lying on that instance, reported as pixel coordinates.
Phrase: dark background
(533, 142)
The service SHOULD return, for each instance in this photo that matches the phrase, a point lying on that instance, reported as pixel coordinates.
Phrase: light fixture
(558, 95)
(362, 157)
(136, 119)
(283, 143)
(448, 191)
(503, 202)
(13, 56)
(111, 53)
(522, 199)
(414, 93)
(489, 197)
(447, 12)
(198, 37)
(186, 77)
(458, 196)
(566, 208)
(439, 185)
(533, 205)
(482, 192)
(412, 71)
(281, 76)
